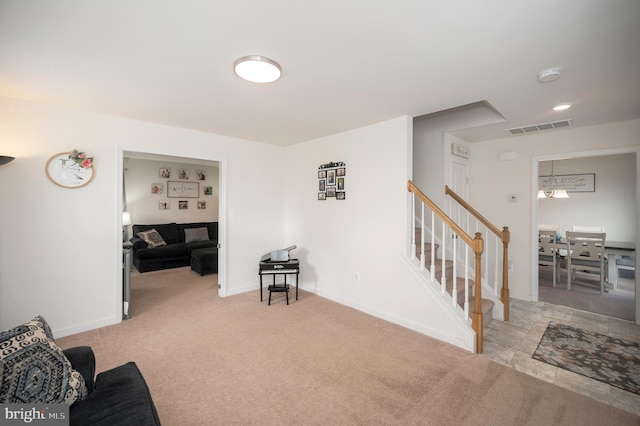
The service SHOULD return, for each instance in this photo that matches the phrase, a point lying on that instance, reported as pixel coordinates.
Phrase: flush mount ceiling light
(561, 107)
(257, 69)
(550, 74)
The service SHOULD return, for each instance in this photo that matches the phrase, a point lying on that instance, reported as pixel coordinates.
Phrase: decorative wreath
(81, 159)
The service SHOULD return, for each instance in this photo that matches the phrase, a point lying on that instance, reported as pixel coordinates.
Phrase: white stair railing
(495, 275)
(443, 224)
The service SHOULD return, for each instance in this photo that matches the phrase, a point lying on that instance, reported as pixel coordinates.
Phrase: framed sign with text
(571, 183)
(176, 189)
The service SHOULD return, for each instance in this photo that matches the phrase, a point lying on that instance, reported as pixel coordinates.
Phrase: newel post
(476, 316)
(504, 294)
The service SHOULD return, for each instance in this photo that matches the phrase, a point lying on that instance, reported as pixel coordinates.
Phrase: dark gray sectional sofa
(35, 370)
(179, 245)
(119, 396)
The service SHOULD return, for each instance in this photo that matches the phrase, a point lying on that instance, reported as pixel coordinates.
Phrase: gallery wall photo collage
(331, 181)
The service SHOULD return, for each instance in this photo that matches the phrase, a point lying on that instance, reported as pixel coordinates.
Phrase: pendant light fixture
(556, 191)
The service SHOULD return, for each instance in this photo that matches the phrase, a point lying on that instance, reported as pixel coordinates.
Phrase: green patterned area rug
(594, 355)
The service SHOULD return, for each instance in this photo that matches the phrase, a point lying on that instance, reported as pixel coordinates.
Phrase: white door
(460, 185)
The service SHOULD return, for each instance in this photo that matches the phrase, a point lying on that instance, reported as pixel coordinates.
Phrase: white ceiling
(346, 64)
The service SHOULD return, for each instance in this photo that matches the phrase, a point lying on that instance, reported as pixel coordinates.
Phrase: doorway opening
(150, 203)
(602, 188)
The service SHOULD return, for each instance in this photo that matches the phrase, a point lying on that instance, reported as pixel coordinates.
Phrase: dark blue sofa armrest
(84, 361)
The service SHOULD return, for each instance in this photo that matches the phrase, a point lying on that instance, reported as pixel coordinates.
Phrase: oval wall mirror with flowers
(70, 169)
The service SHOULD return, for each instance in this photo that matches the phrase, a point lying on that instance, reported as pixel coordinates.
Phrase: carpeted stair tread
(486, 307)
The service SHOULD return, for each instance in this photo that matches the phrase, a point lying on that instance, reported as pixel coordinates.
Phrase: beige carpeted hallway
(236, 361)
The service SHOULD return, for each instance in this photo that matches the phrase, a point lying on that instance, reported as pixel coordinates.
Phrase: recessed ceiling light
(561, 107)
(550, 74)
(257, 69)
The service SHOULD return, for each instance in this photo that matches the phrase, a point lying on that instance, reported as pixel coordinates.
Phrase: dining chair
(586, 256)
(548, 251)
(582, 228)
(543, 227)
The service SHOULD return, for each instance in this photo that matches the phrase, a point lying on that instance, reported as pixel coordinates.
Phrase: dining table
(613, 249)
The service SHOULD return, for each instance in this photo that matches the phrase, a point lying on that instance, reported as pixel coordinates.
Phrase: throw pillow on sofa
(196, 234)
(33, 369)
(152, 238)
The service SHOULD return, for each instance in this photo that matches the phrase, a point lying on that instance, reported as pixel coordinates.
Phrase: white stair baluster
(422, 241)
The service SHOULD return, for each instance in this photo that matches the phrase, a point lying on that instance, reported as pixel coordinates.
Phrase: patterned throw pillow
(152, 238)
(196, 234)
(34, 370)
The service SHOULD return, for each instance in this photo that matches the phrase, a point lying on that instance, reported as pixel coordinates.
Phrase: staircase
(468, 281)
(487, 304)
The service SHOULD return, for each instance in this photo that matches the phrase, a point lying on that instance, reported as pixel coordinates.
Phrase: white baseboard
(79, 328)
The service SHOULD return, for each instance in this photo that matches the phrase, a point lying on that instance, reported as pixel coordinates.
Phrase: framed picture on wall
(202, 205)
(157, 188)
(183, 205)
(164, 205)
(201, 175)
(331, 177)
(331, 181)
(176, 189)
(183, 174)
(66, 169)
(165, 172)
(208, 190)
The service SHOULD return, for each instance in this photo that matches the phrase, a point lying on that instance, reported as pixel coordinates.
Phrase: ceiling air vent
(539, 127)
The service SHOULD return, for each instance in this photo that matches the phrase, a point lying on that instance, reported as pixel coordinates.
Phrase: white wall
(432, 144)
(142, 204)
(60, 251)
(612, 205)
(428, 157)
(366, 233)
(492, 180)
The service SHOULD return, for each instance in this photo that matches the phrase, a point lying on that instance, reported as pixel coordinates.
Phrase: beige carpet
(236, 361)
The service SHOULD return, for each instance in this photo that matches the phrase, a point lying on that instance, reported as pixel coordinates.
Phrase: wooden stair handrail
(504, 235)
(442, 215)
(477, 244)
(474, 212)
